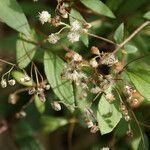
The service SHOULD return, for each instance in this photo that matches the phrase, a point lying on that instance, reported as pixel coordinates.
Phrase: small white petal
(44, 16)
(53, 38)
(73, 37)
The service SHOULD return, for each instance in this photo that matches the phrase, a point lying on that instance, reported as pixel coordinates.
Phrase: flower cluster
(4, 84)
(124, 112)
(133, 97)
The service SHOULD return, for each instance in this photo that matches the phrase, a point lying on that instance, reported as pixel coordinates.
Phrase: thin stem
(131, 36)
(70, 134)
(142, 136)
(135, 60)
(6, 62)
(101, 38)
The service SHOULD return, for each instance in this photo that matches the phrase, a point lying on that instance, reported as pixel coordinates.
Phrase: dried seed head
(118, 66)
(3, 83)
(61, 10)
(31, 91)
(69, 56)
(53, 38)
(12, 82)
(56, 105)
(77, 57)
(42, 97)
(87, 25)
(125, 112)
(47, 87)
(95, 50)
(20, 114)
(12, 99)
(127, 118)
(122, 107)
(110, 97)
(89, 123)
(25, 78)
(40, 90)
(96, 90)
(93, 63)
(94, 129)
(129, 133)
(55, 21)
(88, 112)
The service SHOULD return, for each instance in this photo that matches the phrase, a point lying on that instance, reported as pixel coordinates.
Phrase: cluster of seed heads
(134, 98)
(124, 112)
(4, 82)
(89, 120)
(76, 28)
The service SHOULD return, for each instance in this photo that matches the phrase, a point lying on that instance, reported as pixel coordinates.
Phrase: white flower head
(53, 38)
(95, 90)
(44, 16)
(93, 63)
(3, 83)
(109, 60)
(73, 37)
(76, 26)
(110, 97)
(77, 57)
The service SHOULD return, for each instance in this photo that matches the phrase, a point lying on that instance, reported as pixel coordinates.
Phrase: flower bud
(127, 118)
(47, 87)
(93, 63)
(12, 82)
(20, 114)
(94, 129)
(42, 97)
(95, 50)
(31, 91)
(3, 83)
(12, 98)
(89, 123)
(56, 105)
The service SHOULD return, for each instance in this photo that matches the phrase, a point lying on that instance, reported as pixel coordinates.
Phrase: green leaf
(147, 15)
(25, 50)
(74, 14)
(98, 7)
(119, 33)
(24, 136)
(39, 104)
(13, 16)
(50, 123)
(108, 115)
(141, 80)
(130, 48)
(53, 66)
(18, 75)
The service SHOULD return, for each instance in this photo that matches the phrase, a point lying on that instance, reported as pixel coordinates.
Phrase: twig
(6, 62)
(101, 38)
(131, 36)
